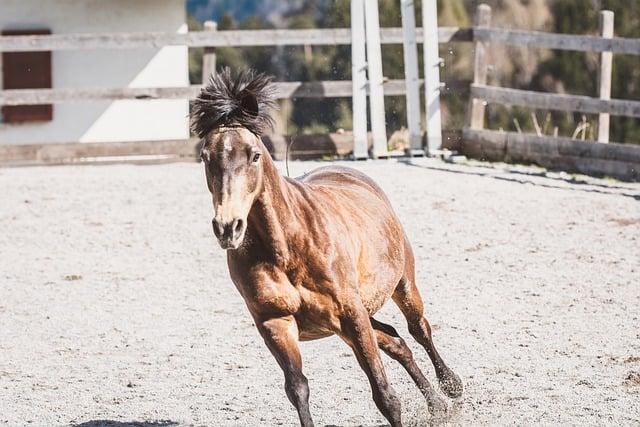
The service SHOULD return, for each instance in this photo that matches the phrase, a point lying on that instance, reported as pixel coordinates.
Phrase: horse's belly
(310, 335)
(379, 272)
(375, 293)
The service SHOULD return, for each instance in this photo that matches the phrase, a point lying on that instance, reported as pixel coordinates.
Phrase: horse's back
(344, 178)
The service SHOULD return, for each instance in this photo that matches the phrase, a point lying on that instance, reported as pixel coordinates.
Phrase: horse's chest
(272, 297)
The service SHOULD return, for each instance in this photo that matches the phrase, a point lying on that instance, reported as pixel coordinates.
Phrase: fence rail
(283, 90)
(225, 38)
(615, 160)
(555, 101)
(558, 41)
(313, 37)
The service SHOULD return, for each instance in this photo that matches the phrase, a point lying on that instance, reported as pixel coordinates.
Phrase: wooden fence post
(410, 50)
(483, 19)
(606, 65)
(376, 79)
(359, 81)
(432, 63)
(209, 55)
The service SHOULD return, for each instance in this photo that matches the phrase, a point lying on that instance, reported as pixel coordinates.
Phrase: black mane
(245, 101)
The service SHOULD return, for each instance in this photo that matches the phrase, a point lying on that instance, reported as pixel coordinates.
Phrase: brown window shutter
(26, 70)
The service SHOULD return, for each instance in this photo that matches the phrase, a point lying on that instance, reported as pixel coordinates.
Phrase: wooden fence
(358, 89)
(615, 159)
(601, 157)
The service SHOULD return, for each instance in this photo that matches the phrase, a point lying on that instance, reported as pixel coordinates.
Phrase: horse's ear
(249, 103)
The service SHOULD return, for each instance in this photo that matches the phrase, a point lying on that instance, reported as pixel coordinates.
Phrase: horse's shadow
(113, 423)
(379, 425)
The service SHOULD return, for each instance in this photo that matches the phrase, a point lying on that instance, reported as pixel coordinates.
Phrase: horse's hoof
(451, 386)
(438, 407)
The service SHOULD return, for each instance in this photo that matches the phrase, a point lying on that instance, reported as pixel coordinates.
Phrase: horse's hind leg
(408, 299)
(390, 342)
(410, 303)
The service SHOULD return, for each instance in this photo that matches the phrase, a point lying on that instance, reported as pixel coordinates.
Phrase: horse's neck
(271, 213)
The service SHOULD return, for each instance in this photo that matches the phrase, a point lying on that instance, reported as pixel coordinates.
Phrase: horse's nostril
(217, 230)
(237, 226)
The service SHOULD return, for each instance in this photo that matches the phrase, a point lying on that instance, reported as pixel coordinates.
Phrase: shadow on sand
(112, 423)
(520, 177)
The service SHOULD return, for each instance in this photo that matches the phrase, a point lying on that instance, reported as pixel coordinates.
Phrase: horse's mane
(245, 101)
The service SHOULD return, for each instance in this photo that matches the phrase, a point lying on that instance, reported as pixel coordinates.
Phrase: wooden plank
(284, 90)
(432, 64)
(559, 41)
(359, 80)
(391, 35)
(63, 153)
(604, 77)
(314, 146)
(376, 79)
(56, 96)
(562, 145)
(209, 54)
(305, 146)
(447, 35)
(621, 161)
(477, 106)
(557, 102)
(226, 38)
(410, 52)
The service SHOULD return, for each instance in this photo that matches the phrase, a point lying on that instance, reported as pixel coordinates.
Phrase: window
(26, 70)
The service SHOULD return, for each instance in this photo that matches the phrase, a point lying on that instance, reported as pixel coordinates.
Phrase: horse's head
(229, 116)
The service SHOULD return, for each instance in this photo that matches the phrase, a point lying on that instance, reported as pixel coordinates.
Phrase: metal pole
(410, 50)
(606, 66)
(432, 63)
(359, 80)
(376, 80)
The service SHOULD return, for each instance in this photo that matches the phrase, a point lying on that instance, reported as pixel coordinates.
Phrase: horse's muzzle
(229, 234)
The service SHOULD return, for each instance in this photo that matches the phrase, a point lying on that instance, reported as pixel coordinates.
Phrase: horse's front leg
(359, 334)
(281, 336)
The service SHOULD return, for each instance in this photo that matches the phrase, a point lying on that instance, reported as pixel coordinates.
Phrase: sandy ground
(116, 305)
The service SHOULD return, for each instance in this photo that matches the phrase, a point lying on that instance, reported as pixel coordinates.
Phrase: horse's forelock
(246, 101)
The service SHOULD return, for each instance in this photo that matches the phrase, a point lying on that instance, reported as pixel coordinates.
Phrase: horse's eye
(256, 157)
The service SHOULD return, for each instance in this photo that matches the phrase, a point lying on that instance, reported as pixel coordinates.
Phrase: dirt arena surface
(116, 306)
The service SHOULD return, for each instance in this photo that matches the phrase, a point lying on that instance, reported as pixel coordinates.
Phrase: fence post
(432, 63)
(359, 81)
(606, 65)
(410, 50)
(483, 19)
(376, 80)
(209, 54)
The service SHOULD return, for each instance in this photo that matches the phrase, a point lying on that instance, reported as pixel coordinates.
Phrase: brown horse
(313, 256)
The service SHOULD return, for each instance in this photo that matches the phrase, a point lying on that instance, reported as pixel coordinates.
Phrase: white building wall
(106, 120)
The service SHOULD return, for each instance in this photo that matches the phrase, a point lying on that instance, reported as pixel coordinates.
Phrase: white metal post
(376, 91)
(606, 66)
(359, 80)
(410, 50)
(432, 74)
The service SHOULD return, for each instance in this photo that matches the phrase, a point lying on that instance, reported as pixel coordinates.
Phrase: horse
(312, 256)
